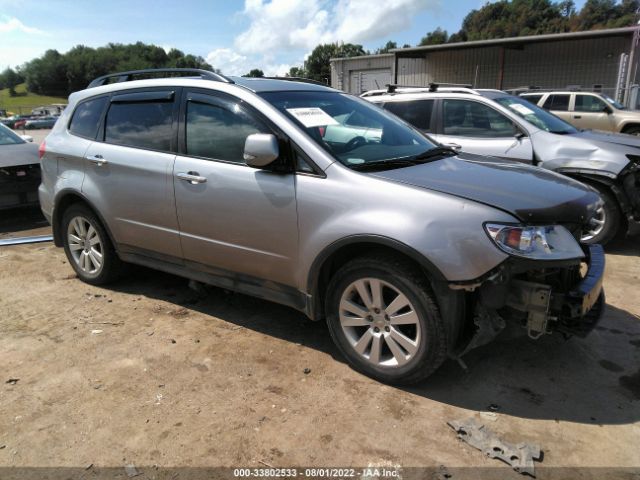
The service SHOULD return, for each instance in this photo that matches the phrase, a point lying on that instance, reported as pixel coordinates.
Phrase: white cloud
(12, 24)
(229, 61)
(289, 29)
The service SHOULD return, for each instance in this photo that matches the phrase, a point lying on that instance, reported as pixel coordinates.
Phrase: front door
(591, 112)
(233, 218)
(474, 127)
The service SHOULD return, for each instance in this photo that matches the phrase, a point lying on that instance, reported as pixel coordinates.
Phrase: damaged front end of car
(549, 283)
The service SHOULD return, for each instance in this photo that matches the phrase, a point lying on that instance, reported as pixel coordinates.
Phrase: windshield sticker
(312, 117)
(521, 109)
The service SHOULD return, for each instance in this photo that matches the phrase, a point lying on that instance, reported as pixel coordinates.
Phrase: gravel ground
(146, 372)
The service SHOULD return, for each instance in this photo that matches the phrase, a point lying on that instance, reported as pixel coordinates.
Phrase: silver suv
(491, 122)
(315, 199)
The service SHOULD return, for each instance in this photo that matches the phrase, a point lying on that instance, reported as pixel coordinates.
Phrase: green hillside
(24, 100)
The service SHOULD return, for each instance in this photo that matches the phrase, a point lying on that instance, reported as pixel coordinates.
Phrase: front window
(7, 137)
(589, 104)
(353, 131)
(536, 115)
(464, 118)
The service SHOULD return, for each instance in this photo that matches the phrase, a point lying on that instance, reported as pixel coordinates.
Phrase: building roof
(610, 32)
(412, 51)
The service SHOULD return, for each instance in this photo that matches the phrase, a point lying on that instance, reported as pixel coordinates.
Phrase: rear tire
(384, 319)
(88, 247)
(613, 226)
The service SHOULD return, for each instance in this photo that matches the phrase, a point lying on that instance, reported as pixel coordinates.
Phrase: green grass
(24, 101)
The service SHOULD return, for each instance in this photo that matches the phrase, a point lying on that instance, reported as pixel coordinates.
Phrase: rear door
(234, 219)
(129, 171)
(474, 127)
(591, 112)
(418, 113)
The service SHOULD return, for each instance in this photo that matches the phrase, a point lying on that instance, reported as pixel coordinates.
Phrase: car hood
(531, 194)
(18, 154)
(585, 151)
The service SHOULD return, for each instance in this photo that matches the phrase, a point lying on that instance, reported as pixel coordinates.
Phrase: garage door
(363, 80)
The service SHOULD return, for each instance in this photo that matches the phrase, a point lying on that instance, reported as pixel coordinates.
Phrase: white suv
(492, 122)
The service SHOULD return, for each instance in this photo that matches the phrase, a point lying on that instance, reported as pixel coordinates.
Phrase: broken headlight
(552, 242)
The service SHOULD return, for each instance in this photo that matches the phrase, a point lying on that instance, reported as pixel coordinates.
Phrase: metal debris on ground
(132, 471)
(520, 456)
(22, 240)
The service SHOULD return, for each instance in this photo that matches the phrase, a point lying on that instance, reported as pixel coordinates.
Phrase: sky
(233, 36)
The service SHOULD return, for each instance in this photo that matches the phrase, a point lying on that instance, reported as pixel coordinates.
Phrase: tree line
(57, 74)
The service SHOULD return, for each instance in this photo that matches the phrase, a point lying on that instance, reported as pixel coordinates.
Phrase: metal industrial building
(599, 60)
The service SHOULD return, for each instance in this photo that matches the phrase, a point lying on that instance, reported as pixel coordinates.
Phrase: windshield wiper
(435, 153)
(384, 164)
(424, 157)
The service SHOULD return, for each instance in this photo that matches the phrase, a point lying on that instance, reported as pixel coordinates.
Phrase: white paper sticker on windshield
(312, 117)
(521, 109)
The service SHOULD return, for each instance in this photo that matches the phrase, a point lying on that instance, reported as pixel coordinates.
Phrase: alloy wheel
(85, 245)
(596, 224)
(379, 322)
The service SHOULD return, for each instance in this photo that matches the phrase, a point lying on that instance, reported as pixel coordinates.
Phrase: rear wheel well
(58, 213)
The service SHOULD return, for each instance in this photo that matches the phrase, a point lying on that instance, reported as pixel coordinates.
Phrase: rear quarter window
(532, 98)
(86, 118)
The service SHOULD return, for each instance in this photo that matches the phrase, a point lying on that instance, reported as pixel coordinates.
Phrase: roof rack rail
(297, 79)
(127, 76)
(431, 87)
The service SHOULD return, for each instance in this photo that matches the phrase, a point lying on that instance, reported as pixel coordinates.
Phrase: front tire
(609, 223)
(88, 247)
(384, 319)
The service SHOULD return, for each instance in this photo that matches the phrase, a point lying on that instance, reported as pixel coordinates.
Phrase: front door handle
(455, 146)
(577, 116)
(192, 177)
(97, 159)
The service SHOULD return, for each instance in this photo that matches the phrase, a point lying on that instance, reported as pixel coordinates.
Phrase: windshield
(7, 137)
(536, 116)
(615, 104)
(353, 131)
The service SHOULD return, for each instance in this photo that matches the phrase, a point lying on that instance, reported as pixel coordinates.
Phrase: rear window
(86, 118)
(532, 98)
(417, 112)
(140, 124)
(558, 103)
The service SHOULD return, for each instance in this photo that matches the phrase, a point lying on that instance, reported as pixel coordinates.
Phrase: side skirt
(245, 284)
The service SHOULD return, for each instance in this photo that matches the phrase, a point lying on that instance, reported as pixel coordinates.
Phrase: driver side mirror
(260, 149)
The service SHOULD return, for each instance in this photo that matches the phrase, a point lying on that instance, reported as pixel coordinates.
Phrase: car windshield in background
(536, 115)
(351, 130)
(7, 137)
(611, 101)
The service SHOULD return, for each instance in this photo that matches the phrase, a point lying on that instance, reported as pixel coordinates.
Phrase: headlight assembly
(552, 242)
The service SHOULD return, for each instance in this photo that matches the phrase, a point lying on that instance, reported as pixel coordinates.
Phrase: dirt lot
(149, 373)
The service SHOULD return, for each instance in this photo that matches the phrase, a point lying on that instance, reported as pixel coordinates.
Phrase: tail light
(42, 149)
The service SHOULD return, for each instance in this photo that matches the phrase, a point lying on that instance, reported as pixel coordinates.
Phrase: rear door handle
(97, 159)
(577, 116)
(192, 177)
(455, 146)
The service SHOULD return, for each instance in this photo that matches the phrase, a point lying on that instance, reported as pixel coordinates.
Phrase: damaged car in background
(19, 170)
(491, 122)
(410, 251)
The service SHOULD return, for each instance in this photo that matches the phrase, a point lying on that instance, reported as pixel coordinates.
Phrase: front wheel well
(324, 269)
(630, 126)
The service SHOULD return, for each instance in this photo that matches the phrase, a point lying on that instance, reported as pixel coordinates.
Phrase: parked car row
(29, 122)
(491, 122)
(412, 251)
